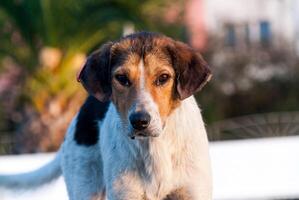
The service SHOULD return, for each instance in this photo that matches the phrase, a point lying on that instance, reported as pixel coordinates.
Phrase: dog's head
(145, 75)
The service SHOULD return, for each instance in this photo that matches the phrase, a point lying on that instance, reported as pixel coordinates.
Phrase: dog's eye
(123, 80)
(162, 79)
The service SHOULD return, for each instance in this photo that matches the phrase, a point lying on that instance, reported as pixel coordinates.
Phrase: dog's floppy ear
(96, 72)
(192, 71)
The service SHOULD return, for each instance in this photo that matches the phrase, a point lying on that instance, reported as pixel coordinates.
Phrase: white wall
(282, 14)
(295, 14)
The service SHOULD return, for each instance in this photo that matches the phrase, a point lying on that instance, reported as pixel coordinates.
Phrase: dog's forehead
(151, 50)
(142, 43)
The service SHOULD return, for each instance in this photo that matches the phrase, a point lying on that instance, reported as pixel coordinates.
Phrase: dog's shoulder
(87, 123)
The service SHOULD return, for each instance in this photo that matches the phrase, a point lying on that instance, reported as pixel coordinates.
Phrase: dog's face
(146, 76)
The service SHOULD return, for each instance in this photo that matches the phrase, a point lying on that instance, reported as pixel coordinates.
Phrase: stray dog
(140, 134)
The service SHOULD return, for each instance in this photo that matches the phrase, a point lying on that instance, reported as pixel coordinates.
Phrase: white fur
(142, 74)
(81, 167)
(126, 169)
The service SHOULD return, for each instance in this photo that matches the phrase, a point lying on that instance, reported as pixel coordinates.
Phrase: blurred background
(251, 46)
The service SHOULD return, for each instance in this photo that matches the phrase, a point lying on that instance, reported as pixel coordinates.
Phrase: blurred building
(240, 23)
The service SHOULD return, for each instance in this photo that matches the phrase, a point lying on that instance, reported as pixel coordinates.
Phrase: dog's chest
(158, 170)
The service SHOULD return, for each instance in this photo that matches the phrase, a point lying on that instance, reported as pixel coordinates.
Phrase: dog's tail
(33, 179)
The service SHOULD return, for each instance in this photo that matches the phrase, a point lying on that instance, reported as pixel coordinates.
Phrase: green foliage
(49, 39)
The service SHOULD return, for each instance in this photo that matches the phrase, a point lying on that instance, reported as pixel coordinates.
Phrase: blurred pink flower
(195, 23)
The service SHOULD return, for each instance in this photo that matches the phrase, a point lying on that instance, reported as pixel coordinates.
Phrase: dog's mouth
(150, 132)
(142, 135)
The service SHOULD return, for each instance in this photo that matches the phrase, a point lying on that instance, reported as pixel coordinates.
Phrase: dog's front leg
(125, 186)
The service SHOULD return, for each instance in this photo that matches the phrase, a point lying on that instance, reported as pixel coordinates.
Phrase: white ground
(247, 169)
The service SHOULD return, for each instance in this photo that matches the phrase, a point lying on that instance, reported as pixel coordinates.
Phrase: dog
(140, 134)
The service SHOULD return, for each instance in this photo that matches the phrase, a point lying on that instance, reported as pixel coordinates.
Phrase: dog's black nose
(140, 120)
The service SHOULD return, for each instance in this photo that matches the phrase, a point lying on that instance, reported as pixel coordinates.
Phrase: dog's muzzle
(140, 122)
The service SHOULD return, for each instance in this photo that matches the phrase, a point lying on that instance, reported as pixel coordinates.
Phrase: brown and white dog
(140, 133)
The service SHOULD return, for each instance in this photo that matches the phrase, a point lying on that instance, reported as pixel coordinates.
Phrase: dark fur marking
(192, 72)
(87, 130)
(141, 44)
(95, 74)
